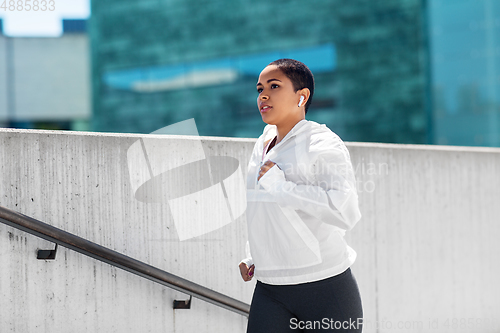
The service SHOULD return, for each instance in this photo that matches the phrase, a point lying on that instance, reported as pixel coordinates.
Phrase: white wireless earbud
(301, 100)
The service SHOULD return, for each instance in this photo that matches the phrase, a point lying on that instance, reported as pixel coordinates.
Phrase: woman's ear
(304, 96)
(301, 100)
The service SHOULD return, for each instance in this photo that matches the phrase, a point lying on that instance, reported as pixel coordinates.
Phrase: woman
(301, 199)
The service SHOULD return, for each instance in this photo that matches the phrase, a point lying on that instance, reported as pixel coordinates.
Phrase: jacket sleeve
(248, 260)
(332, 197)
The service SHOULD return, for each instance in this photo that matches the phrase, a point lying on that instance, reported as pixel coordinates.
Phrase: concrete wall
(428, 259)
(428, 255)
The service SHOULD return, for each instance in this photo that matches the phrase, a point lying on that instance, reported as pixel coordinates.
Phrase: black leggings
(329, 305)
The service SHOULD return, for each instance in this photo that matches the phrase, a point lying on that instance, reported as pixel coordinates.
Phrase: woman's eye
(259, 90)
(274, 86)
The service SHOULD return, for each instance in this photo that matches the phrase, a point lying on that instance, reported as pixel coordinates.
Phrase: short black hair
(300, 75)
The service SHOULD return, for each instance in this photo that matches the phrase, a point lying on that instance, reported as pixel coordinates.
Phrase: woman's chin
(268, 120)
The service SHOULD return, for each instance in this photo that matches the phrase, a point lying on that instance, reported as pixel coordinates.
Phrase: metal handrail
(93, 250)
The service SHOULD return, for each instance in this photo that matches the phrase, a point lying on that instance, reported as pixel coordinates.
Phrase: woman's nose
(263, 97)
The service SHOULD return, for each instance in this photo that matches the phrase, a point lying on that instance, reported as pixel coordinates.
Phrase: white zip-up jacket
(298, 212)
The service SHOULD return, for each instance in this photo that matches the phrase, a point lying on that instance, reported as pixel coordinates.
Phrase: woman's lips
(265, 108)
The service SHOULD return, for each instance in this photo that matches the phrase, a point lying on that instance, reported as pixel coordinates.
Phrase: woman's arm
(246, 265)
(333, 197)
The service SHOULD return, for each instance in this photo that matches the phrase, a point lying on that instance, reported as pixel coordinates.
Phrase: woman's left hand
(265, 167)
(246, 272)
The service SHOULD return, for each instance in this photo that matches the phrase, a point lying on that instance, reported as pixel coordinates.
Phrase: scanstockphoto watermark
(367, 174)
(336, 175)
(337, 167)
(326, 324)
(192, 183)
(437, 324)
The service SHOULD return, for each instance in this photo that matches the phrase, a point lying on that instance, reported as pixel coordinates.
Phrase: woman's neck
(283, 129)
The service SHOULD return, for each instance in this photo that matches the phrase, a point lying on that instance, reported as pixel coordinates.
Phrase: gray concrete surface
(428, 256)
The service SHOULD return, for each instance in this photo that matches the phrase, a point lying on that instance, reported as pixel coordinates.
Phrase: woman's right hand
(246, 272)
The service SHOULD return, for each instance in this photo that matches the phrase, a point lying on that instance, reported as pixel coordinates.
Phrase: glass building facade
(465, 44)
(403, 71)
(159, 62)
(45, 81)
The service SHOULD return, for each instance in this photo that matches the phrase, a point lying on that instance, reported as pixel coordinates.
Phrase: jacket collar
(299, 127)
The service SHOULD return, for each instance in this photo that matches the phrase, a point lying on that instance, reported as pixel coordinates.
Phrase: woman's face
(277, 100)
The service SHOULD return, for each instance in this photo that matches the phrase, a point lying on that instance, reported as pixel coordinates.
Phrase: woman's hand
(246, 273)
(265, 167)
